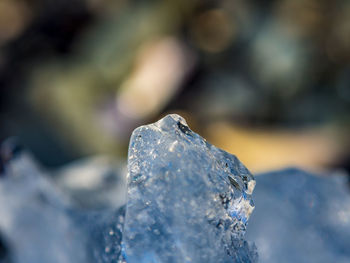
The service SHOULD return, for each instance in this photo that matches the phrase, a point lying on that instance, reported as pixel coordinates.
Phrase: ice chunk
(300, 217)
(103, 233)
(188, 201)
(40, 224)
(34, 224)
(94, 182)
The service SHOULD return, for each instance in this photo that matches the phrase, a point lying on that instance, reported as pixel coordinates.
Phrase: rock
(188, 201)
(301, 217)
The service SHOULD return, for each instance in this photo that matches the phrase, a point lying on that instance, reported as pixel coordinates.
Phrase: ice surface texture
(300, 217)
(188, 201)
(40, 224)
(35, 226)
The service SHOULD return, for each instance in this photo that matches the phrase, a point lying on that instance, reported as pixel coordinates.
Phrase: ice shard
(188, 201)
(301, 217)
(39, 223)
(35, 225)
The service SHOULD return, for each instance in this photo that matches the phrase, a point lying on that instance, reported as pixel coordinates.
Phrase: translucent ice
(188, 201)
(34, 223)
(300, 217)
(40, 224)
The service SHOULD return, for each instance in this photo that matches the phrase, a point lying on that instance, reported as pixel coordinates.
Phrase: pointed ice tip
(171, 118)
(178, 186)
(177, 118)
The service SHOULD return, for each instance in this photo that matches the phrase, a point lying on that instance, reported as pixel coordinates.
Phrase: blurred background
(266, 80)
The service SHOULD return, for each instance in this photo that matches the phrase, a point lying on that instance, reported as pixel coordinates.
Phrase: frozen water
(300, 217)
(103, 234)
(40, 224)
(94, 182)
(34, 224)
(188, 201)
